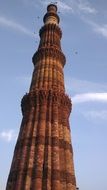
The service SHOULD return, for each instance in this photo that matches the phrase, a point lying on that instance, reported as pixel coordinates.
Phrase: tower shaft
(43, 155)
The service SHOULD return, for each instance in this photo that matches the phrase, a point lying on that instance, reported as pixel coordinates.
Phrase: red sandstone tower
(43, 156)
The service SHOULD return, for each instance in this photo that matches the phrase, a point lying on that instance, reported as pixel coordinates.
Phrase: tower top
(51, 15)
(52, 8)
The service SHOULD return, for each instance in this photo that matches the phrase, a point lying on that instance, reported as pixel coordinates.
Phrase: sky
(84, 43)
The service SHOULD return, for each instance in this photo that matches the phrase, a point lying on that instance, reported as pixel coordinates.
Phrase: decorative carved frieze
(45, 96)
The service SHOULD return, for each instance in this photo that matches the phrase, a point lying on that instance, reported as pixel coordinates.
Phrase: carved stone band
(47, 96)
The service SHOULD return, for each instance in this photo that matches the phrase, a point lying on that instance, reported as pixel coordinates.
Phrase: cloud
(8, 136)
(74, 85)
(15, 26)
(85, 7)
(97, 28)
(101, 29)
(88, 97)
(64, 6)
(94, 114)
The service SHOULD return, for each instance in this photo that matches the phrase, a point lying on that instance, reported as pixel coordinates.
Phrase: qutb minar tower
(43, 155)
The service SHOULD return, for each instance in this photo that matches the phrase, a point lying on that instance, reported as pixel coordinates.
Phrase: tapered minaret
(43, 156)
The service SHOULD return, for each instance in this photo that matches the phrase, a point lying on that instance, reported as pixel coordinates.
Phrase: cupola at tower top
(52, 8)
(51, 15)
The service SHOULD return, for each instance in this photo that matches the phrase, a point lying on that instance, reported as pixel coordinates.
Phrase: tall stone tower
(43, 155)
